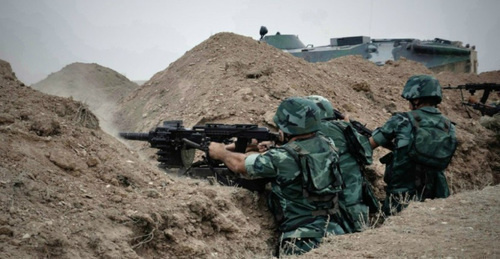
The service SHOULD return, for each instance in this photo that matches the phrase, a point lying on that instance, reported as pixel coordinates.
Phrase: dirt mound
(70, 190)
(97, 86)
(461, 226)
(228, 78)
(7, 74)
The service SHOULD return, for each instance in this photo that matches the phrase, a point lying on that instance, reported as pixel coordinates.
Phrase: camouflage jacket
(296, 214)
(491, 122)
(400, 170)
(355, 212)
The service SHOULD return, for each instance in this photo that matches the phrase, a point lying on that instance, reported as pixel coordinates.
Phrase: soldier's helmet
(325, 107)
(296, 116)
(419, 86)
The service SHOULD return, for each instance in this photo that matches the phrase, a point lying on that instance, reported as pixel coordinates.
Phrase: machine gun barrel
(474, 86)
(135, 136)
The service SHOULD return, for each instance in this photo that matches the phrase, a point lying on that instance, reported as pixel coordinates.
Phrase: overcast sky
(138, 38)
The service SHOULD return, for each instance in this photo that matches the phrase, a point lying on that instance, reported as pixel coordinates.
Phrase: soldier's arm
(373, 144)
(233, 160)
(384, 135)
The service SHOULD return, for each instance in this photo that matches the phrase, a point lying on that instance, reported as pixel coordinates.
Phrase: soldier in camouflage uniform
(352, 204)
(492, 121)
(306, 180)
(405, 179)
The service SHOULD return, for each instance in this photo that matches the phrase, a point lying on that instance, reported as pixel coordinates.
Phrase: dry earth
(71, 190)
(94, 85)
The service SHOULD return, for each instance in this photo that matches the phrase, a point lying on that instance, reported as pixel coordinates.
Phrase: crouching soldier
(306, 179)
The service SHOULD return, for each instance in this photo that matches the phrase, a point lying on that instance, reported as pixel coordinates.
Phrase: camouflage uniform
(492, 122)
(353, 207)
(401, 171)
(354, 210)
(303, 219)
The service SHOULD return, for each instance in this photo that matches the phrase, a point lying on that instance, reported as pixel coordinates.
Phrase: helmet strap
(418, 103)
(414, 104)
(283, 138)
(302, 136)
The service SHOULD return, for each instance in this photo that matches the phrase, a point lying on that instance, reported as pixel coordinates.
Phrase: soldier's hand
(264, 146)
(260, 147)
(473, 99)
(252, 146)
(231, 147)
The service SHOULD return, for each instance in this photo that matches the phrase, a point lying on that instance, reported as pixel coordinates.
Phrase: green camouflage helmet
(325, 107)
(296, 116)
(422, 86)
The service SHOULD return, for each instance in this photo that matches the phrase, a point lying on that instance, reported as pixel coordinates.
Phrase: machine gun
(472, 88)
(177, 145)
(484, 108)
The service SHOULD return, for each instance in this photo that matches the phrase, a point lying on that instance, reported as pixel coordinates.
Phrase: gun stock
(360, 128)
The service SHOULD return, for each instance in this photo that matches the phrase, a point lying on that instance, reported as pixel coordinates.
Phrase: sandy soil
(72, 190)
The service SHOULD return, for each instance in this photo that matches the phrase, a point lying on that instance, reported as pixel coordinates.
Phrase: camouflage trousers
(307, 237)
(396, 202)
(435, 187)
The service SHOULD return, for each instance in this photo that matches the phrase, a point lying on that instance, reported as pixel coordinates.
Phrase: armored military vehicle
(437, 55)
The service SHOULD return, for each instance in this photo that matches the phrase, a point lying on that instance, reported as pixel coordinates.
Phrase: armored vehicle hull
(437, 55)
